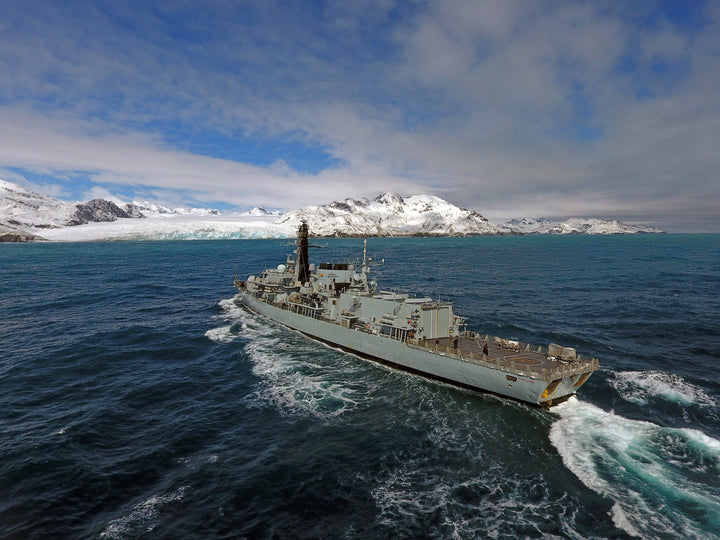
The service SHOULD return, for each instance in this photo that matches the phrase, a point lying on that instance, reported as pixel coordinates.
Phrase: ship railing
(308, 311)
(506, 344)
(519, 346)
(511, 363)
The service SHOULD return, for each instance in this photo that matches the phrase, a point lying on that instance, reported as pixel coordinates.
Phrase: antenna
(368, 261)
(364, 266)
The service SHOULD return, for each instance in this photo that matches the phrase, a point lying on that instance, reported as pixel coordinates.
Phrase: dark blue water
(136, 401)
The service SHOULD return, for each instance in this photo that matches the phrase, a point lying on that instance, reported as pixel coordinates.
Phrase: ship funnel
(302, 273)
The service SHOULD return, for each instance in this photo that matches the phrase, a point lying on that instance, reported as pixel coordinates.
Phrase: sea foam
(654, 474)
(295, 378)
(143, 516)
(643, 386)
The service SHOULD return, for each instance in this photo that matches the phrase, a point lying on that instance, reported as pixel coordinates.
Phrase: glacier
(174, 227)
(28, 216)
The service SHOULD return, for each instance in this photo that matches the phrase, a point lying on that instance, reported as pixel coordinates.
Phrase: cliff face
(99, 210)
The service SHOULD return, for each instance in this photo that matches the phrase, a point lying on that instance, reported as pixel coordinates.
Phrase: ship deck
(514, 357)
(511, 356)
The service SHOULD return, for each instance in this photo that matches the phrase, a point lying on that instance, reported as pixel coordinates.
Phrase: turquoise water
(139, 402)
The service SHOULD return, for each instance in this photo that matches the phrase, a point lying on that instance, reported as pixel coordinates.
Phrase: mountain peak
(98, 210)
(259, 211)
(388, 198)
(9, 186)
(391, 215)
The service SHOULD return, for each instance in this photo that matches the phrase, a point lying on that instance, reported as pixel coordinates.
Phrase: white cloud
(551, 108)
(135, 159)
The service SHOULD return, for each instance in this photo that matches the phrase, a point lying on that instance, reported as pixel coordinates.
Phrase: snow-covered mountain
(27, 216)
(390, 215)
(148, 209)
(21, 210)
(100, 210)
(260, 211)
(573, 226)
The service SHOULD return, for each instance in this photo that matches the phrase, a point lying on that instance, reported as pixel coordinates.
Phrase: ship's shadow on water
(143, 403)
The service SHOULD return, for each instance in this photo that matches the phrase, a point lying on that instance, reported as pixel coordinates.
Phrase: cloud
(551, 108)
(53, 147)
(548, 79)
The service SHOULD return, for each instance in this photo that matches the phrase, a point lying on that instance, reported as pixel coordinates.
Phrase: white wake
(663, 480)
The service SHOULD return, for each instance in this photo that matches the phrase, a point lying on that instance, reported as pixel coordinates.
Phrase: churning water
(138, 401)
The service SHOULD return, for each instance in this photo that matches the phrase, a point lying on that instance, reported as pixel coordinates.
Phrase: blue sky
(513, 108)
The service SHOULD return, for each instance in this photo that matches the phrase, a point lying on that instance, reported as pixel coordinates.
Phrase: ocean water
(137, 401)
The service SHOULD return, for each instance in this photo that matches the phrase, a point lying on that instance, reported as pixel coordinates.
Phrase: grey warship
(339, 305)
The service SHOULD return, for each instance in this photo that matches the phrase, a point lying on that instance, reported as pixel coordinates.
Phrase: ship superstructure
(340, 305)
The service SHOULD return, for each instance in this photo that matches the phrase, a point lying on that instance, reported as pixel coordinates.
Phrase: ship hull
(423, 361)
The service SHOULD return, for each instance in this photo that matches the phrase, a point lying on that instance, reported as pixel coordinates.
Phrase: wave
(453, 482)
(298, 383)
(664, 481)
(641, 387)
(228, 305)
(234, 314)
(495, 504)
(222, 334)
(143, 516)
(292, 378)
(298, 376)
